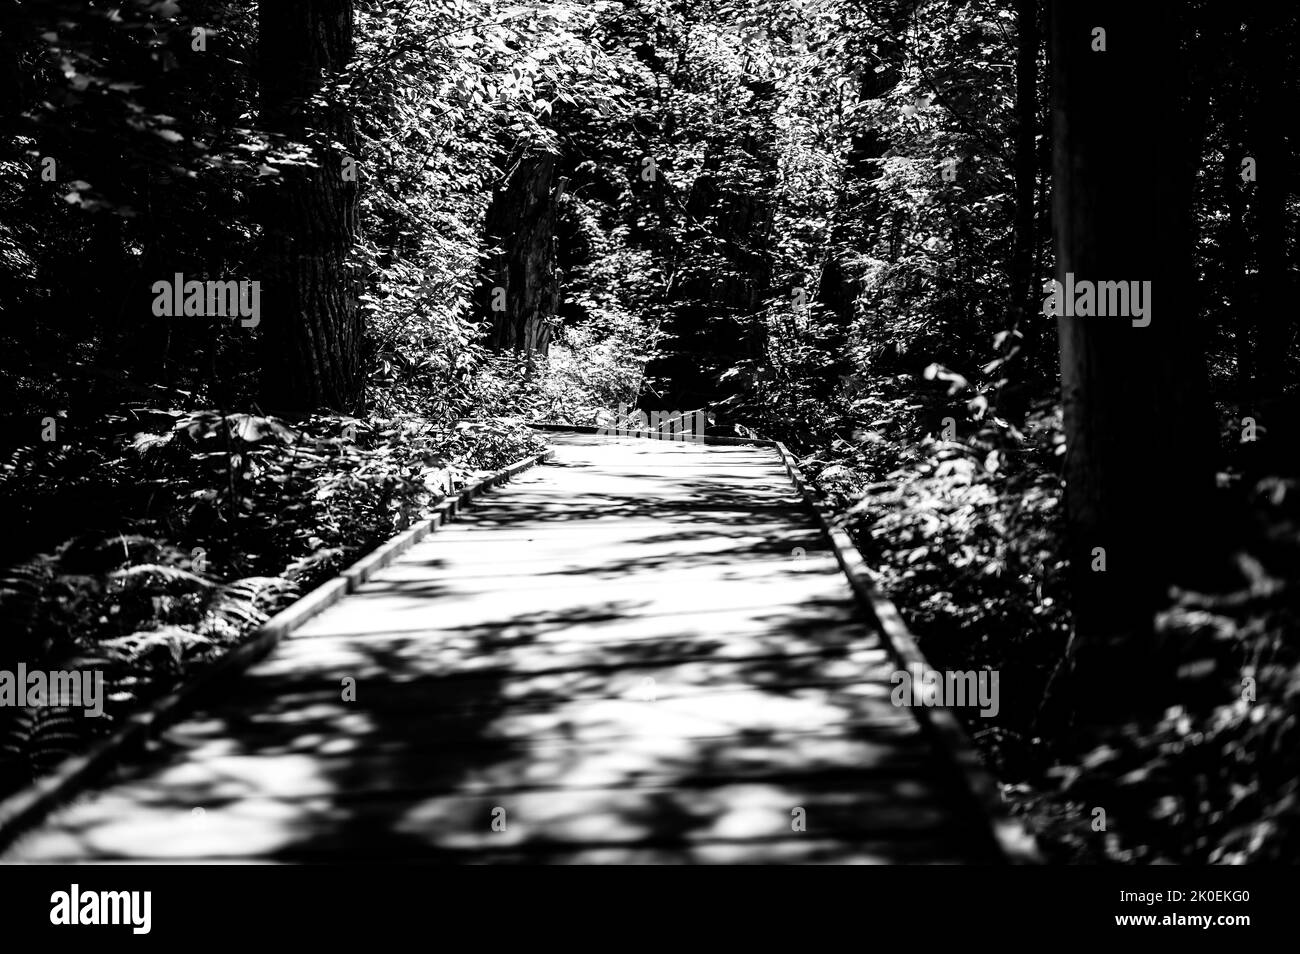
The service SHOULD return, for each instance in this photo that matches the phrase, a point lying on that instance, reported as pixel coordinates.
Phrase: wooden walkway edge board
(1014, 841)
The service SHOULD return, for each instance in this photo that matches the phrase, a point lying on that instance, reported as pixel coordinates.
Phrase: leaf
(956, 381)
(1197, 669)
(144, 441)
(249, 427)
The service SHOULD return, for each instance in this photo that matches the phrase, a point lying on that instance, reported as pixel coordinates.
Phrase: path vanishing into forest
(639, 651)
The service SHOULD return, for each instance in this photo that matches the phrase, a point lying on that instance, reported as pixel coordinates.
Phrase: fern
(132, 576)
(36, 738)
(168, 649)
(244, 604)
(21, 587)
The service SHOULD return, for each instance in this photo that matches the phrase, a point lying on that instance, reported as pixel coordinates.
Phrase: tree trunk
(1274, 309)
(310, 319)
(1137, 417)
(521, 290)
(1235, 252)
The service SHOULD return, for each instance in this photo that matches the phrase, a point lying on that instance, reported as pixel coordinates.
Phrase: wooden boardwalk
(621, 656)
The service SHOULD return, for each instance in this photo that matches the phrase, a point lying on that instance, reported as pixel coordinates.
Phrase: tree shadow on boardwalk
(682, 691)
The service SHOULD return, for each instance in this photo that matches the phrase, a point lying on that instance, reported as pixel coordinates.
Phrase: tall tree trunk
(1137, 421)
(521, 291)
(1236, 249)
(1274, 308)
(311, 322)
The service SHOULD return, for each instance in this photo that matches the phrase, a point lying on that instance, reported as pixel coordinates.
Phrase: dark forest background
(827, 222)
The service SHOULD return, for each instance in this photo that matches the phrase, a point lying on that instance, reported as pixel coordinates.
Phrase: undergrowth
(963, 533)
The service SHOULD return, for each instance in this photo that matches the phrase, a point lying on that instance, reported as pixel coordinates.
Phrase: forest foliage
(805, 215)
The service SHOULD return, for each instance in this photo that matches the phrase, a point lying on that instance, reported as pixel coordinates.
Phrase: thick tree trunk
(1236, 249)
(310, 322)
(13, 77)
(1274, 309)
(1137, 421)
(521, 291)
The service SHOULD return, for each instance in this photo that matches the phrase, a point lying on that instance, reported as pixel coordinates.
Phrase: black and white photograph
(650, 432)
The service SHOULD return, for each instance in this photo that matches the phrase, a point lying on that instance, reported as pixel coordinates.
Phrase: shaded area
(621, 658)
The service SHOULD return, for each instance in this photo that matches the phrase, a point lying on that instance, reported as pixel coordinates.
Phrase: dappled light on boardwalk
(641, 652)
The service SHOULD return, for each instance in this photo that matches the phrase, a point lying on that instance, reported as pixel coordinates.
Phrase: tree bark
(1137, 416)
(521, 223)
(1236, 249)
(1274, 308)
(310, 324)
